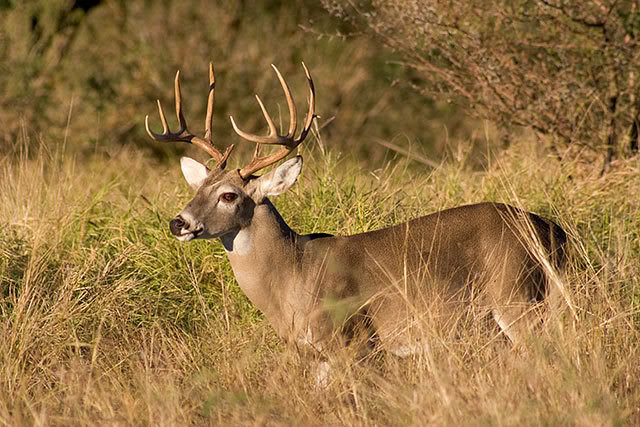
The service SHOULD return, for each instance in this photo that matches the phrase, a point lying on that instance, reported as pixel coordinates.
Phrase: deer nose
(176, 225)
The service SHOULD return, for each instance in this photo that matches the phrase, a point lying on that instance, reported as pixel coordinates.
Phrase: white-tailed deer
(317, 289)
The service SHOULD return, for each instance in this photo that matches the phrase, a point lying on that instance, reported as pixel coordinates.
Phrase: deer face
(225, 202)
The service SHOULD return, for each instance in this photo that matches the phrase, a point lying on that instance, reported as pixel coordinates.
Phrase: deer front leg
(312, 347)
(324, 339)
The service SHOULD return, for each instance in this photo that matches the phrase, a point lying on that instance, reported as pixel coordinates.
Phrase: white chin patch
(197, 234)
(185, 237)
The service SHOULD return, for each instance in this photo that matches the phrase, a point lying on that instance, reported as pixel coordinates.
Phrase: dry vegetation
(106, 319)
(566, 68)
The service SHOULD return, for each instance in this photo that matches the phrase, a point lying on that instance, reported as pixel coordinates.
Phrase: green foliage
(567, 69)
(88, 78)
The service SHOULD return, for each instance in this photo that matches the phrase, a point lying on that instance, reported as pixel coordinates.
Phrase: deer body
(386, 275)
(319, 290)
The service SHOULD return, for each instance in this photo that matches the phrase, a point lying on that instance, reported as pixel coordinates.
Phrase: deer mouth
(186, 235)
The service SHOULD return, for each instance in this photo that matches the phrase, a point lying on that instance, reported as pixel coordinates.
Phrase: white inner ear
(280, 179)
(194, 172)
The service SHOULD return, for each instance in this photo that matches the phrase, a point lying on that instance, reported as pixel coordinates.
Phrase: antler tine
(271, 138)
(288, 141)
(312, 103)
(293, 116)
(208, 122)
(183, 134)
(178, 97)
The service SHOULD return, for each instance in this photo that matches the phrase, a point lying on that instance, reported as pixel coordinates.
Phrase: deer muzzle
(185, 228)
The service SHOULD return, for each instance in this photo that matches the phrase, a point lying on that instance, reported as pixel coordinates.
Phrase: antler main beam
(288, 141)
(183, 134)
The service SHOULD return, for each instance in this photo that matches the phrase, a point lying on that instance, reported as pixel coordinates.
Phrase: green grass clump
(108, 319)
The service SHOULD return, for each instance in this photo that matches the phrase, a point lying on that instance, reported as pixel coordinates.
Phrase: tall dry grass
(107, 320)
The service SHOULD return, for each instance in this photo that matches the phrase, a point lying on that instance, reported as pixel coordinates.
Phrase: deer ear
(278, 180)
(194, 172)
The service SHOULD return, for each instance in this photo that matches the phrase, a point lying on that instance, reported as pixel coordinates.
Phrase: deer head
(225, 200)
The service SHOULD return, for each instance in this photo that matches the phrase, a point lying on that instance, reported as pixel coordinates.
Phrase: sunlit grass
(107, 319)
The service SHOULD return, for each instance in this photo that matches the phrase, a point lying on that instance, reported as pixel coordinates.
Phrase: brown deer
(317, 289)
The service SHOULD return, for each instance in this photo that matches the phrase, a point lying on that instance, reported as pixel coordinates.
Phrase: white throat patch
(239, 243)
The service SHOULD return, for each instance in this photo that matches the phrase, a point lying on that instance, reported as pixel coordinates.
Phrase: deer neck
(262, 256)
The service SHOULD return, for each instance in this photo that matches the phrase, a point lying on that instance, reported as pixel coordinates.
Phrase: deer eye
(228, 197)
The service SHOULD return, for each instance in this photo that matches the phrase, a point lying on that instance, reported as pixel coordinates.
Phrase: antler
(183, 133)
(288, 141)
